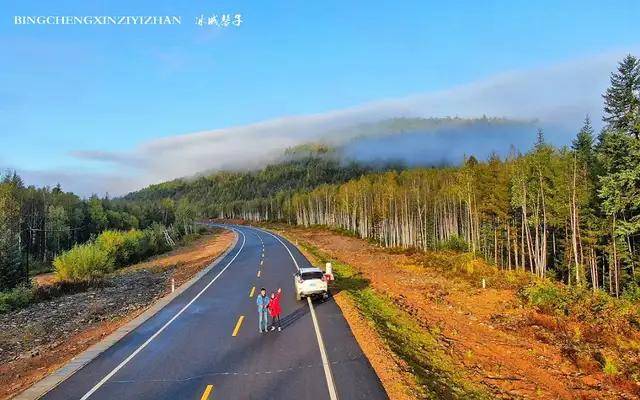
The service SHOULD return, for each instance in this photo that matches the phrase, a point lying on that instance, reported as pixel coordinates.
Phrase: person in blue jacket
(263, 303)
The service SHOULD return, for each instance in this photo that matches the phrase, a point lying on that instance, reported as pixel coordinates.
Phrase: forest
(570, 213)
(39, 224)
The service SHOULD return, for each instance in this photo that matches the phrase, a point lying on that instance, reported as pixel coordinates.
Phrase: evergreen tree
(11, 273)
(58, 226)
(98, 220)
(619, 192)
(583, 143)
(540, 143)
(622, 98)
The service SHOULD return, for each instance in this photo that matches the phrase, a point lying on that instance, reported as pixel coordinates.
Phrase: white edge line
(143, 345)
(323, 353)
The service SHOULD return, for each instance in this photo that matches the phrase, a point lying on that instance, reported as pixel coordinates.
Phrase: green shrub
(123, 247)
(595, 308)
(610, 368)
(516, 279)
(632, 293)
(190, 238)
(455, 243)
(110, 242)
(37, 266)
(590, 306)
(15, 298)
(112, 249)
(86, 262)
(549, 297)
(155, 240)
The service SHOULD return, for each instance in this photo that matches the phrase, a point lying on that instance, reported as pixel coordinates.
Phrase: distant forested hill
(391, 144)
(214, 192)
(348, 153)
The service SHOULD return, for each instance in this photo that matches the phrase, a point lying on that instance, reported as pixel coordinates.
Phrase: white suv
(310, 282)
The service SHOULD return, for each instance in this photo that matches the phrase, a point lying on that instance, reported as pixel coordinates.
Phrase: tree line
(572, 213)
(38, 224)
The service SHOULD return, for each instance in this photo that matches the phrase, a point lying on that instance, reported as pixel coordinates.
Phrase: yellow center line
(253, 289)
(238, 324)
(258, 274)
(207, 392)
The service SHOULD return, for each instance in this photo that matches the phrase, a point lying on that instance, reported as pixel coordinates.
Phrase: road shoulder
(52, 380)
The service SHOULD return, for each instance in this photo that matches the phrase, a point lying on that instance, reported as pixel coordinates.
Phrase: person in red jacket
(275, 310)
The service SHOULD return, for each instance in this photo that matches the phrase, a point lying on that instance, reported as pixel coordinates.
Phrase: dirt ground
(510, 363)
(37, 340)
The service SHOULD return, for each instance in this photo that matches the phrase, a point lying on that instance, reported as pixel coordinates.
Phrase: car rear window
(312, 275)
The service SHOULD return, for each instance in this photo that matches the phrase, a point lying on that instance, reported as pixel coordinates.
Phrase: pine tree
(540, 143)
(583, 143)
(11, 273)
(622, 99)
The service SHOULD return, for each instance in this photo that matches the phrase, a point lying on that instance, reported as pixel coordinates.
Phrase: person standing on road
(263, 304)
(275, 310)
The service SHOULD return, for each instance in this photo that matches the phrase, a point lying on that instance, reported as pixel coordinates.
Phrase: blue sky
(68, 89)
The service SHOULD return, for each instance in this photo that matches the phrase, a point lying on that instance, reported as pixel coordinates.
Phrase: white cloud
(83, 183)
(558, 95)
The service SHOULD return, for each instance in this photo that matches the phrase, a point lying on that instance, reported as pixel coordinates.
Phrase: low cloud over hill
(555, 98)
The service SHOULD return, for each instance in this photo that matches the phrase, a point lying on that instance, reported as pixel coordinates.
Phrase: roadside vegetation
(46, 229)
(86, 264)
(110, 250)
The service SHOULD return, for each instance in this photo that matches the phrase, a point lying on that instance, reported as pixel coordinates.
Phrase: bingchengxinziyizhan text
(97, 20)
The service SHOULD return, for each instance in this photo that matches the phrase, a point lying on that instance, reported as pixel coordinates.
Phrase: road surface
(205, 343)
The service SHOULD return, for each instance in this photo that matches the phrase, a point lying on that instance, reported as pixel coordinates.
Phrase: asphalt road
(188, 350)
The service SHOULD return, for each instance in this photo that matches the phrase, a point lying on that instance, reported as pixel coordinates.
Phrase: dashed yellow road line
(253, 290)
(238, 324)
(258, 274)
(207, 392)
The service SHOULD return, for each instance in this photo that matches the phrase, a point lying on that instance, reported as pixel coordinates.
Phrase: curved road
(205, 343)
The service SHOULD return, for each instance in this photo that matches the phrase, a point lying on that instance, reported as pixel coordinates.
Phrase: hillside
(341, 155)
(223, 188)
